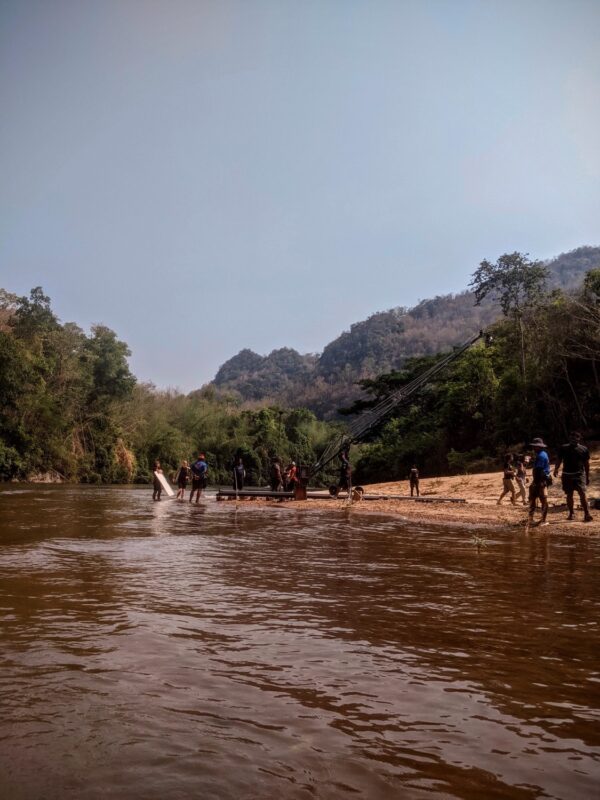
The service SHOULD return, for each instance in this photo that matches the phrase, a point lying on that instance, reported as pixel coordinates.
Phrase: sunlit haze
(207, 176)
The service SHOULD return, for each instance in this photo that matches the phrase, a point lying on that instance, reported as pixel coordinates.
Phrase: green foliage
(259, 377)
(387, 339)
(11, 463)
(58, 392)
(514, 281)
(484, 404)
(69, 402)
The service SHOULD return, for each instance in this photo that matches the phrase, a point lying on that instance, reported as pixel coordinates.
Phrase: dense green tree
(516, 283)
(483, 405)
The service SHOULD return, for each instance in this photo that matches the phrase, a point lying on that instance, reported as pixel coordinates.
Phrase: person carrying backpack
(199, 471)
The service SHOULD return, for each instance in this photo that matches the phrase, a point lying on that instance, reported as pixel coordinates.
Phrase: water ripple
(162, 650)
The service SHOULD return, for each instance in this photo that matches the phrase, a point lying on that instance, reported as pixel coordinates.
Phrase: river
(157, 651)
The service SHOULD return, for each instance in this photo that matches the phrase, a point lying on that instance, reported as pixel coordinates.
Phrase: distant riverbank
(481, 492)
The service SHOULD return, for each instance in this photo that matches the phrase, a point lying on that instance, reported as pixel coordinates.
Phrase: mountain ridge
(382, 342)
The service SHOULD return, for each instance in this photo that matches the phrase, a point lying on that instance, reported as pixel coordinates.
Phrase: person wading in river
(239, 473)
(183, 477)
(199, 471)
(156, 484)
(575, 459)
(540, 480)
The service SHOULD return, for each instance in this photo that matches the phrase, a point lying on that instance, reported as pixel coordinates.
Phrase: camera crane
(361, 427)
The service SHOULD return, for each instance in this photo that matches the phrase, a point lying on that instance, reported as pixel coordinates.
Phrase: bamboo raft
(231, 494)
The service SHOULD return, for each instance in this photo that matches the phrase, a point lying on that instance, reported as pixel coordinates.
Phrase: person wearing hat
(575, 458)
(199, 471)
(290, 476)
(540, 480)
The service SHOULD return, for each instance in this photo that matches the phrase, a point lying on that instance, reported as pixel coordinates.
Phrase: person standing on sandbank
(508, 481)
(540, 480)
(413, 479)
(575, 458)
(521, 478)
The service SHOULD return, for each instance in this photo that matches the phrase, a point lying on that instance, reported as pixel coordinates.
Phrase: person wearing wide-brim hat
(540, 480)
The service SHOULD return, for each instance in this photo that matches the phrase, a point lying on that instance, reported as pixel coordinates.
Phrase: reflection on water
(157, 650)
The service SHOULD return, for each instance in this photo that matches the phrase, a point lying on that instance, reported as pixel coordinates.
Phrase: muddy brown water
(157, 650)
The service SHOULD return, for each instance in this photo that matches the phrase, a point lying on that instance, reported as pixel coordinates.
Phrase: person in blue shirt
(540, 480)
(199, 471)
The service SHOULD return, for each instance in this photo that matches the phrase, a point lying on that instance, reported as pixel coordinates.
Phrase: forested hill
(378, 344)
(256, 377)
(70, 407)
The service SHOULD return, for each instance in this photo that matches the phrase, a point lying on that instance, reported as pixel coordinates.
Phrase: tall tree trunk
(522, 335)
(582, 418)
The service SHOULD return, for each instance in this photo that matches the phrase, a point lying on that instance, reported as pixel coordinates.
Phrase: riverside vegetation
(69, 403)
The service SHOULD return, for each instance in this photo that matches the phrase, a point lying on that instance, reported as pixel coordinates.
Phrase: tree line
(537, 373)
(383, 342)
(69, 404)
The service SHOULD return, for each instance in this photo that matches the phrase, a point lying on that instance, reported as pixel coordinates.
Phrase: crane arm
(369, 420)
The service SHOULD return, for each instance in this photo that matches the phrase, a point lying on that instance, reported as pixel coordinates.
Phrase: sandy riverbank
(481, 492)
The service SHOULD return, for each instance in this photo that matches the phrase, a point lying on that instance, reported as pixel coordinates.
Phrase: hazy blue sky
(207, 176)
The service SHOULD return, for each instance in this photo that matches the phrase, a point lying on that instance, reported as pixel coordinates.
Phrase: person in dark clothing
(239, 473)
(199, 471)
(156, 484)
(276, 476)
(345, 472)
(575, 458)
(182, 479)
(413, 479)
(540, 480)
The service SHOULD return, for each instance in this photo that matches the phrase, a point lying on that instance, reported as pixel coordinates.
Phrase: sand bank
(481, 491)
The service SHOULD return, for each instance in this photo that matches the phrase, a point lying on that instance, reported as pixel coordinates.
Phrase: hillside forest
(382, 343)
(70, 406)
